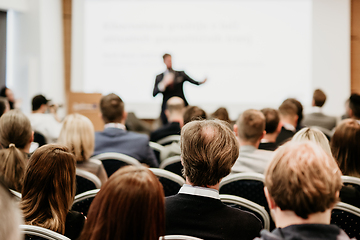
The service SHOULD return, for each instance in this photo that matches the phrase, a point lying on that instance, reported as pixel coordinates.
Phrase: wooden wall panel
(66, 6)
(355, 46)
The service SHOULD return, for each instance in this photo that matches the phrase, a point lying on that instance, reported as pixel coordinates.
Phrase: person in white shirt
(47, 124)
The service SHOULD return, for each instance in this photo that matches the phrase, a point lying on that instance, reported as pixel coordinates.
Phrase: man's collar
(316, 109)
(199, 191)
(115, 125)
(289, 127)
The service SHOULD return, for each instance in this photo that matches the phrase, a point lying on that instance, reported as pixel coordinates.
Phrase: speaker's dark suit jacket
(208, 218)
(132, 144)
(167, 130)
(176, 90)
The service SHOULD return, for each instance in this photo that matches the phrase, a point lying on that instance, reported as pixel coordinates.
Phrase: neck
(178, 119)
(271, 137)
(216, 187)
(287, 218)
(247, 143)
(288, 121)
(38, 111)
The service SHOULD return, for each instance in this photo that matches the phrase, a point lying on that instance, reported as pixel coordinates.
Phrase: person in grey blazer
(317, 118)
(115, 138)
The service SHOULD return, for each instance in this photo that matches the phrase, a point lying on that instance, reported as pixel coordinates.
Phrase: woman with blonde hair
(15, 138)
(313, 135)
(78, 135)
(49, 189)
(130, 205)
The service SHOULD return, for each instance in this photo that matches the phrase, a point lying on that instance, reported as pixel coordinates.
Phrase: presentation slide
(253, 52)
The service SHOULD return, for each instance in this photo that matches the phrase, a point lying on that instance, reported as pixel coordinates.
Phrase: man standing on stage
(170, 84)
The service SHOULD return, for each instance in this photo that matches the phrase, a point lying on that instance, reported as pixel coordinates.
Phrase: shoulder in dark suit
(167, 130)
(208, 218)
(270, 146)
(284, 136)
(132, 144)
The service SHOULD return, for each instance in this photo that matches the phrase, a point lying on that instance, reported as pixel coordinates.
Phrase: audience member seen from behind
(78, 135)
(317, 117)
(9, 95)
(115, 138)
(299, 112)
(15, 138)
(174, 112)
(346, 151)
(272, 128)
(49, 190)
(221, 114)
(289, 119)
(313, 135)
(47, 124)
(354, 106)
(250, 129)
(208, 151)
(129, 206)
(4, 106)
(10, 216)
(301, 206)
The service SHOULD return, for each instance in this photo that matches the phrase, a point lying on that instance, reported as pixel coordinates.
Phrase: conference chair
(347, 217)
(180, 237)
(172, 164)
(157, 148)
(83, 201)
(249, 206)
(351, 181)
(170, 181)
(112, 161)
(169, 139)
(37, 233)
(16, 194)
(86, 181)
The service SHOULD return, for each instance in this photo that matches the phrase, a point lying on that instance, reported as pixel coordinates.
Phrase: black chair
(113, 161)
(180, 237)
(40, 233)
(347, 217)
(246, 205)
(83, 201)
(351, 181)
(172, 164)
(170, 181)
(86, 181)
(246, 185)
(157, 148)
(169, 139)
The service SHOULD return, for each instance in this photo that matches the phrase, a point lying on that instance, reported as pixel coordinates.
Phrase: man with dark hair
(317, 118)
(4, 106)
(48, 125)
(272, 128)
(170, 84)
(250, 129)
(288, 112)
(115, 138)
(354, 106)
(302, 185)
(208, 150)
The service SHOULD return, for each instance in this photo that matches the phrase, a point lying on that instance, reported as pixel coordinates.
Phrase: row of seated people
(302, 185)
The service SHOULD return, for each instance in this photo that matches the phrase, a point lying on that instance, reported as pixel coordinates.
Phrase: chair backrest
(347, 217)
(170, 181)
(16, 194)
(169, 139)
(86, 181)
(249, 206)
(353, 181)
(35, 232)
(172, 164)
(112, 161)
(157, 148)
(180, 237)
(83, 201)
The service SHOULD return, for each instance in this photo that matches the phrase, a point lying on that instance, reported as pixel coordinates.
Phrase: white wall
(18, 5)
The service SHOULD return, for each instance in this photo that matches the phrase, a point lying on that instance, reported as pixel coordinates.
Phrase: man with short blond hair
(301, 206)
(250, 129)
(208, 151)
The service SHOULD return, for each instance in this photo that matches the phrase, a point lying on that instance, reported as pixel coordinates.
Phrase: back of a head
(313, 135)
(130, 205)
(251, 125)
(287, 108)
(49, 187)
(313, 179)
(38, 101)
(272, 119)
(208, 150)
(354, 105)
(112, 108)
(15, 128)
(319, 98)
(345, 147)
(194, 113)
(299, 108)
(175, 105)
(10, 216)
(221, 114)
(4, 105)
(77, 134)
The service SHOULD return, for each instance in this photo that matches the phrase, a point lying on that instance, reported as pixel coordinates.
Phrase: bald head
(175, 107)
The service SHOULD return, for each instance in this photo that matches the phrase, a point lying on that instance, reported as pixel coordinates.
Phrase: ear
(32, 137)
(125, 114)
(278, 129)
(167, 113)
(236, 130)
(263, 135)
(313, 103)
(269, 199)
(351, 113)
